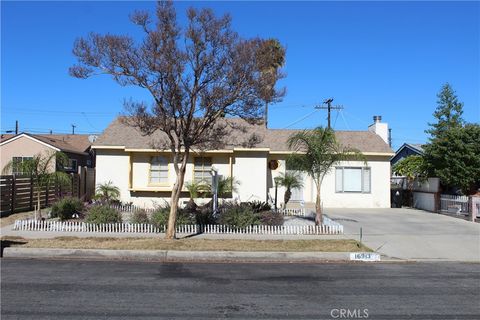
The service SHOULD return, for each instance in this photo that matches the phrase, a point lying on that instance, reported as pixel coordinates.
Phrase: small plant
(66, 207)
(107, 192)
(160, 217)
(204, 214)
(103, 214)
(271, 218)
(238, 215)
(140, 216)
(259, 206)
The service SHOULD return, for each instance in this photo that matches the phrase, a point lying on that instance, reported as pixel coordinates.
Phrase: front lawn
(337, 245)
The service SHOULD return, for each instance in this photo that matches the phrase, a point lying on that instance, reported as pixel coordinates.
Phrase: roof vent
(377, 119)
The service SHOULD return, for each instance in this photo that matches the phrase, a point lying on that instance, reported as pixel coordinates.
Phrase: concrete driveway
(412, 234)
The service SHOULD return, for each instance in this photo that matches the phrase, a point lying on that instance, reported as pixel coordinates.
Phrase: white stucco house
(145, 174)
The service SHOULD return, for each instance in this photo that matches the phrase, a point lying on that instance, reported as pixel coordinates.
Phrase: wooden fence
(17, 193)
(74, 226)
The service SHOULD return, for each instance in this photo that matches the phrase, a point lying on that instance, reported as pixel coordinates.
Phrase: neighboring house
(145, 174)
(407, 149)
(18, 148)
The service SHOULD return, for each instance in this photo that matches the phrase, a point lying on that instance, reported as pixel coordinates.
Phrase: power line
(329, 108)
(301, 119)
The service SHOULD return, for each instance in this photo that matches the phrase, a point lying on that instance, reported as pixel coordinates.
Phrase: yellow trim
(108, 147)
(251, 149)
(130, 170)
(364, 153)
(155, 189)
(161, 184)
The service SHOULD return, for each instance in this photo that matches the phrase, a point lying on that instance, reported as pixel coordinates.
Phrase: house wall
(116, 165)
(406, 152)
(379, 197)
(250, 168)
(22, 147)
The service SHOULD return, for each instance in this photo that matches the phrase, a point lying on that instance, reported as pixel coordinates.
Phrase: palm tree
(195, 189)
(107, 192)
(316, 152)
(227, 186)
(41, 168)
(289, 180)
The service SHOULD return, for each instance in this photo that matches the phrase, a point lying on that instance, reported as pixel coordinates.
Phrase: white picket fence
(133, 208)
(293, 212)
(329, 227)
(454, 204)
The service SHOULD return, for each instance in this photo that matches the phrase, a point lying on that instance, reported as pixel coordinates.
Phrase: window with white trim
(202, 170)
(17, 164)
(159, 170)
(352, 179)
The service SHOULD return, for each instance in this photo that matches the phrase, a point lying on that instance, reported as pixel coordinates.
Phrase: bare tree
(198, 76)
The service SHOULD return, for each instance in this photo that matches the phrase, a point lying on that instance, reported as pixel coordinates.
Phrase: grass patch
(10, 219)
(337, 245)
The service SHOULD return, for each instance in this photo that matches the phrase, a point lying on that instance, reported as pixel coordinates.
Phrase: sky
(373, 58)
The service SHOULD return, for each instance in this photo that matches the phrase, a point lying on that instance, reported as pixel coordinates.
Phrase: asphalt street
(64, 289)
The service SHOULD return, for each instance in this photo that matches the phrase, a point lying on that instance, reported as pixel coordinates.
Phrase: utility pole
(16, 127)
(329, 108)
(73, 128)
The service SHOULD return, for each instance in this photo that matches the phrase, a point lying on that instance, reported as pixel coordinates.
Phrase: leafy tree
(107, 192)
(413, 168)
(453, 152)
(197, 76)
(448, 113)
(289, 180)
(317, 151)
(42, 170)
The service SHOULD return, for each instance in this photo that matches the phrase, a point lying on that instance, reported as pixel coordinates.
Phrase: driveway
(412, 234)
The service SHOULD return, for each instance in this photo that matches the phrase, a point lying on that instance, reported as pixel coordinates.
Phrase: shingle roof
(77, 143)
(120, 134)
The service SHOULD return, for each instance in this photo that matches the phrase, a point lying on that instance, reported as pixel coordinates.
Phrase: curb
(172, 255)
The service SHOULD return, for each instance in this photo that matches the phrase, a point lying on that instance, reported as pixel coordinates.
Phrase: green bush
(259, 206)
(140, 216)
(238, 215)
(160, 217)
(103, 214)
(271, 218)
(66, 207)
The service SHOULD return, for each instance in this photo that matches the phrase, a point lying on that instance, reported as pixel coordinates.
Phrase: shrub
(66, 207)
(160, 217)
(103, 214)
(238, 215)
(259, 206)
(271, 218)
(140, 216)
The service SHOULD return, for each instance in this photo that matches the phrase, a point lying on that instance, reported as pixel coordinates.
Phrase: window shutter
(338, 180)
(366, 180)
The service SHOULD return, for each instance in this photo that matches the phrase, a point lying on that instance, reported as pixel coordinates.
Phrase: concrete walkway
(412, 234)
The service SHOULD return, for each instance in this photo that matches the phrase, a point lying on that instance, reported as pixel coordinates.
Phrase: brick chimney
(380, 128)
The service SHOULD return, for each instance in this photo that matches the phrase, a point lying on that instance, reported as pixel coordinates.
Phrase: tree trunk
(286, 197)
(38, 203)
(176, 192)
(318, 207)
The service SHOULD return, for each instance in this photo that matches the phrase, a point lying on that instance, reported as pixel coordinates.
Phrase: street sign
(364, 256)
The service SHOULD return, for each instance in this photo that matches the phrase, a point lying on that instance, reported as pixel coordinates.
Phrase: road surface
(62, 289)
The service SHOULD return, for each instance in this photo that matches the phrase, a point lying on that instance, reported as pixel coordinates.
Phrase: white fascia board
(31, 138)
